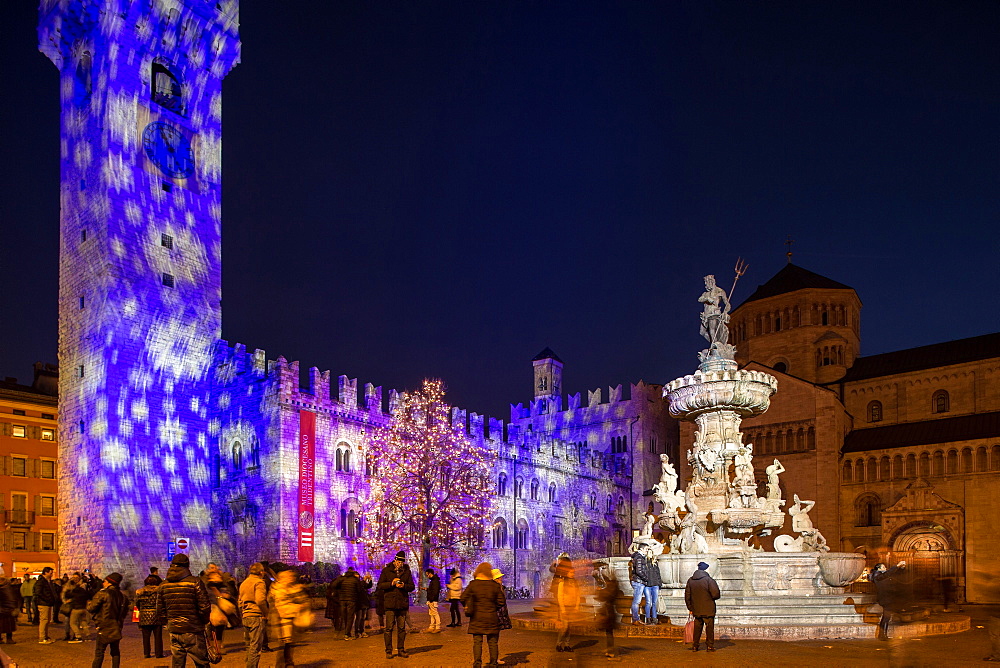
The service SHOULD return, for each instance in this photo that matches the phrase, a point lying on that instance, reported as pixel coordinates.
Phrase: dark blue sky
(444, 189)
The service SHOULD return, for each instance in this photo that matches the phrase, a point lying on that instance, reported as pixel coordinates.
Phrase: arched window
(953, 461)
(872, 470)
(995, 458)
(340, 459)
(534, 490)
(825, 318)
(166, 88)
(343, 522)
(848, 471)
(781, 367)
(347, 461)
(910, 468)
(800, 440)
(611, 502)
(925, 464)
(982, 459)
(812, 438)
(352, 524)
(874, 411)
(237, 456)
(884, 469)
(522, 534)
(859, 470)
(869, 510)
(897, 467)
(519, 487)
(593, 502)
(499, 533)
(502, 485)
(254, 452)
(938, 463)
(940, 402)
(552, 492)
(967, 464)
(621, 506)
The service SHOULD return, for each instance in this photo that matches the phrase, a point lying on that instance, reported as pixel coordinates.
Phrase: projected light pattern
(141, 242)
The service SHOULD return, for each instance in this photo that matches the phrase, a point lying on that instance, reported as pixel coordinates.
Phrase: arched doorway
(932, 563)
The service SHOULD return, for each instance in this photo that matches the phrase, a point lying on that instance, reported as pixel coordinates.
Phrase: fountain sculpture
(797, 591)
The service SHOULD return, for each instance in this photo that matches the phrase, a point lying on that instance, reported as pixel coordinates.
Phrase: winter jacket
(183, 601)
(349, 588)
(455, 588)
(606, 594)
(145, 600)
(364, 600)
(108, 608)
(396, 598)
(28, 587)
(482, 599)
(644, 571)
(10, 600)
(253, 597)
(76, 595)
(700, 594)
(287, 600)
(889, 588)
(434, 589)
(45, 592)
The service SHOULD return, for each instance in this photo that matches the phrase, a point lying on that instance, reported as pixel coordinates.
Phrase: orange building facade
(29, 471)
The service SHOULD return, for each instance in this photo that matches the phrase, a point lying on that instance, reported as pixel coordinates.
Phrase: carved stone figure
(668, 475)
(744, 468)
(799, 513)
(714, 318)
(691, 539)
(773, 471)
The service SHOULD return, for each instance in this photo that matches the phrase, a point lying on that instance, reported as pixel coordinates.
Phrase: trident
(741, 268)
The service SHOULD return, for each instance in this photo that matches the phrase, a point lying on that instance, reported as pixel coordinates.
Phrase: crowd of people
(273, 606)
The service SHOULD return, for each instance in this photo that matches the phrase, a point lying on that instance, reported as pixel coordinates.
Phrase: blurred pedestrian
(483, 599)
(254, 608)
(362, 605)
(109, 610)
(396, 581)
(566, 594)
(10, 605)
(606, 593)
(150, 625)
(287, 601)
(700, 595)
(888, 594)
(27, 596)
(76, 595)
(332, 611)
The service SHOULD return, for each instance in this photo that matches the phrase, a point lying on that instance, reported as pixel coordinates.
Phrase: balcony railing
(20, 517)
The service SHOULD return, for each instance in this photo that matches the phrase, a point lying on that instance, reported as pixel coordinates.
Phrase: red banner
(307, 479)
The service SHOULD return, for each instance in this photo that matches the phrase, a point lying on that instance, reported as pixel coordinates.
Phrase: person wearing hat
(396, 581)
(483, 599)
(183, 601)
(108, 610)
(700, 595)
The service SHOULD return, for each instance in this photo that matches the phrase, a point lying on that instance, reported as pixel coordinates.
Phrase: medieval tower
(140, 270)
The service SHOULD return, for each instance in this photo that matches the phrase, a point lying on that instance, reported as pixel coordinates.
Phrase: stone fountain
(797, 591)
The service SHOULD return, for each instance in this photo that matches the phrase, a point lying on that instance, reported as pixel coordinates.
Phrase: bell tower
(139, 270)
(548, 375)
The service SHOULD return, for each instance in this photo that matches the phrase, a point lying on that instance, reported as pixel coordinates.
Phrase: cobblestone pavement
(453, 647)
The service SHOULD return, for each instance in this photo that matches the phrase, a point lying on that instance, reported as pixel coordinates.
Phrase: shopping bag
(689, 630)
(503, 615)
(135, 614)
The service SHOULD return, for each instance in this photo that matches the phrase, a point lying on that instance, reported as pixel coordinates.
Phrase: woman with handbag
(483, 599)
(290, 614)
(149, 624)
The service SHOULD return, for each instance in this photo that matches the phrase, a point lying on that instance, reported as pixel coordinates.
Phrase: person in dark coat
(46, 599)
(349, 589)
(108, 609)
(183, 601)
(154, 572)
(362, 605)
(888, 594)
(333, 603)
(10, 606)
(149, 624)
(433, 598)
(606, 593)
(76, 594)
(700, 595)
(482, 599)
(396, 583)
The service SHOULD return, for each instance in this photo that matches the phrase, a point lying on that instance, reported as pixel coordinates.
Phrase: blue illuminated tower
(140, 270)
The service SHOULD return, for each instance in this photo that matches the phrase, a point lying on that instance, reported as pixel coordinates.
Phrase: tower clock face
(169, 149)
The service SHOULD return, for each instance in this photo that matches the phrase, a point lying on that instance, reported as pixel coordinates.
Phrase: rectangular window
(168, 280)
(167, 187)
(48, 416)
(19, 431)
(48, 469)
(48, 542)
(83, 302)
(48, 435)
(167, 241)
(83, 235)
(79, 371)
(20, 466)
(18, 411)
(19, 540)
(48, 506)
(19, 501)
